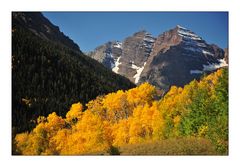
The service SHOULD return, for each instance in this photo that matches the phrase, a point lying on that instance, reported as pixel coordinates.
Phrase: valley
(144, 95)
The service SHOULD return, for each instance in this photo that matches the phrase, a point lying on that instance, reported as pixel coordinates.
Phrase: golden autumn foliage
(128, 117)
(74, 113)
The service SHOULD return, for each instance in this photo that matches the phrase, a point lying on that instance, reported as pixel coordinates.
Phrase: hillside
(187, 121)
(48, 76)
(42, 27)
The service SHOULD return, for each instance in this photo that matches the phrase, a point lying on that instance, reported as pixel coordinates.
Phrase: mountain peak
(180, 27)
(175, 57)
(140, 33)
(186, 33)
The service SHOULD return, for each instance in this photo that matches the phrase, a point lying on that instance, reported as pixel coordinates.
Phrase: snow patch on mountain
(134, 66)
(197, 47)
(148, 38)
(193, 42)
(207, 53)
(139, 71)
(201, 44)
(117, 63)
(117, 45)
(210, 67)
(188, 34)
(178, 26)
(148, 42)
(214, 66)
(109, 55)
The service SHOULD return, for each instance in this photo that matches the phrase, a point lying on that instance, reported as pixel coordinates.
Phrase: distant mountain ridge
(42, 27)
(173, 58)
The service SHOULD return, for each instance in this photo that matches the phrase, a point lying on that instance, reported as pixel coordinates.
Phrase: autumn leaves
(134, 116)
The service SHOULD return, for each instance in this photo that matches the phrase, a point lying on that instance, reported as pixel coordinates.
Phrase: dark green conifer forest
(49, 77)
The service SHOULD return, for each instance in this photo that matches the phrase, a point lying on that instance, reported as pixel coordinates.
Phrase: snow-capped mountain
(126, 58)
(173, 58)
(108, 54)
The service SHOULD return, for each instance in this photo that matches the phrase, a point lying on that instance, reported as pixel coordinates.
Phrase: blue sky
(91, 29)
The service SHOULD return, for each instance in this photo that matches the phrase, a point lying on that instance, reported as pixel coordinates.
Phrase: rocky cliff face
(173, 58)
(179, 57)
(108, 53)
(126, 58)
(42, 27)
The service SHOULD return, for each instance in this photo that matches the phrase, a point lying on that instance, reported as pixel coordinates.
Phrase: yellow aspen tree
(120, 132)
(141, 95)
(75, 113)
